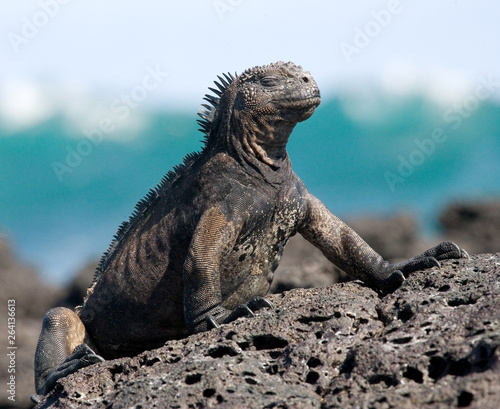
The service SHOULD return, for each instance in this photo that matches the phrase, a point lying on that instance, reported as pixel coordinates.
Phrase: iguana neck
(261, 142)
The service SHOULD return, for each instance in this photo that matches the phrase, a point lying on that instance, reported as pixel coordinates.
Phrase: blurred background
(98, 101)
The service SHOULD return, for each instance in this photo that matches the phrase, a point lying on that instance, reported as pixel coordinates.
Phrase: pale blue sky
(105, 46)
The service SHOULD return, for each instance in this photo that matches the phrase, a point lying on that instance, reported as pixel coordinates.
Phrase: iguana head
(256, 111)
(279, 90)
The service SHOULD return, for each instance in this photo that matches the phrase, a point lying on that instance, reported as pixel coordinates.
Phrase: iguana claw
(211, 323)
(247, 310)
(464, 254)
(81, 357)
(36, 399)
(242, 310)
(260, 302)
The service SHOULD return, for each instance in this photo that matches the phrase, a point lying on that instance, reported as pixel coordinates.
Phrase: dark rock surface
(76, 290)
(433, 343)
(474, 224)
(397, 236)
(304, 266)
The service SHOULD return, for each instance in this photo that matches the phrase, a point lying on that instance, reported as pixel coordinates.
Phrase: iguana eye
(270, 80)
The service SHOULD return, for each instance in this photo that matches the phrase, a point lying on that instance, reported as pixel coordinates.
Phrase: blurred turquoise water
(60, 211)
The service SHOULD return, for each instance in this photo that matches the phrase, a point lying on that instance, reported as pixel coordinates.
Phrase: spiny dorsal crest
(207, 114)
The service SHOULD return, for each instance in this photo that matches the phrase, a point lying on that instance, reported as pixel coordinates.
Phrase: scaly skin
(202, 248)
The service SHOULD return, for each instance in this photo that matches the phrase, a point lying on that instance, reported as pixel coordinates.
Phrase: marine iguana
(200, 250)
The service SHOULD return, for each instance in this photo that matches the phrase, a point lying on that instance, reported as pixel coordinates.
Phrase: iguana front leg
(214, 237)
(343, 247)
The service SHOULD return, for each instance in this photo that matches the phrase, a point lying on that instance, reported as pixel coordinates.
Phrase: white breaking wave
(441, 85)
(26, 103)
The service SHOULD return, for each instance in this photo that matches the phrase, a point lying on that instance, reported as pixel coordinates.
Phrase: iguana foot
(242, 310)
(391, 276)
(81, 357)
(430, 258)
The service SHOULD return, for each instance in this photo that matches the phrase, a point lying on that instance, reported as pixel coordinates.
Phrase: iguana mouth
(303, 101)
(314, 100)
(302, 108)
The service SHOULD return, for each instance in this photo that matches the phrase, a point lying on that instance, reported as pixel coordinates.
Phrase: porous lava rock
(433, 343)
